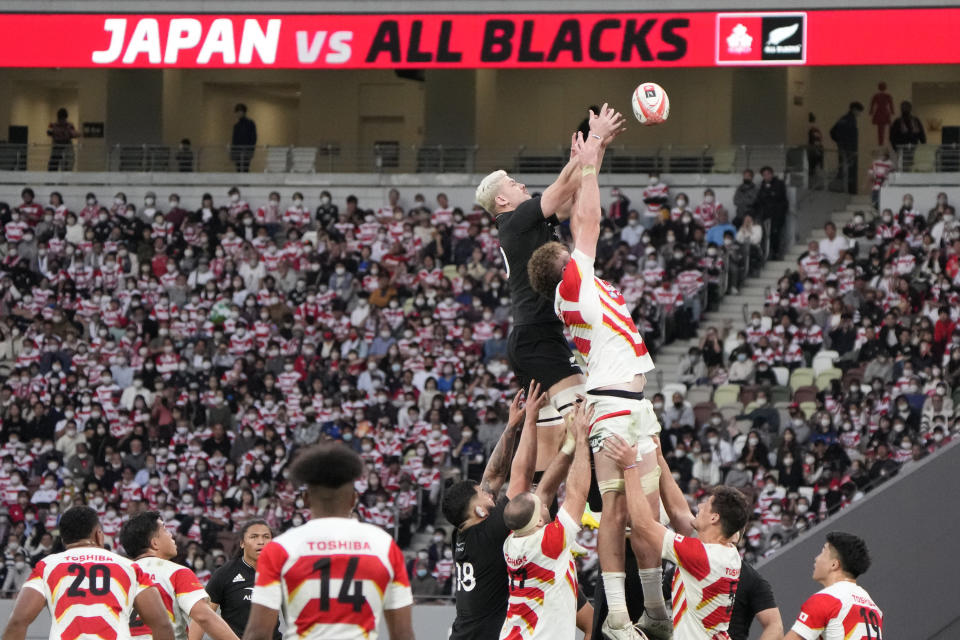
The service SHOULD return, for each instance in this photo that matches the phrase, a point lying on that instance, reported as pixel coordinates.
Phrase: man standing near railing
(244, 139)
(62, 133)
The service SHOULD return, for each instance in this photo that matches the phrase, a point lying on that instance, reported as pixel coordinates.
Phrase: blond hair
(488, 189)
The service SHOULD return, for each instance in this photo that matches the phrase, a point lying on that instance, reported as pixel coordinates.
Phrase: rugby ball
(650, 103)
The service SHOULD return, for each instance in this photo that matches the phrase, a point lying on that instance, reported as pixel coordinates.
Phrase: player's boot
(628, 632)
(655, 628)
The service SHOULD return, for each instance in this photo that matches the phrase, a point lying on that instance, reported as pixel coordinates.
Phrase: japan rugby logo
(739, 41)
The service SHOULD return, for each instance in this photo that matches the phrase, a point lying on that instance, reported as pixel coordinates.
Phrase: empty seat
(924, 158)
(724, 160)
(802, 377)
(278, 160)
(726, 394)
(779, 393)
(808, 408)
(783, 376)
(824, 378)
(805, 394)
(303, 160)
(730, 411)
(822, 362)
(702, 393)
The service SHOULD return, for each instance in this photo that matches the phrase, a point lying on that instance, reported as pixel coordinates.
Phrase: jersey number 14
(355, 599)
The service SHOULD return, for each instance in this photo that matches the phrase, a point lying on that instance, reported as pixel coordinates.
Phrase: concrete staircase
(813, 215)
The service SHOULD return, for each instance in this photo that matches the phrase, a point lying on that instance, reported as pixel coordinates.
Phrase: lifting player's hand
(617, 449)
(515, 416)
(582, 419)
(607, 124)
(535, 402)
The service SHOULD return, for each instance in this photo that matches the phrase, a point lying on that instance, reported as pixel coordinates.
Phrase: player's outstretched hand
(515, 417)
(535, 401)
(607, 124)
(582, 419)
(617, 449)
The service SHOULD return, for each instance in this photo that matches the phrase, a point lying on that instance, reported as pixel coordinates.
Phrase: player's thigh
(542, 354)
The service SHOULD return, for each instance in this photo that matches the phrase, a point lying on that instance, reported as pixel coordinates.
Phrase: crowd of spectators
(174, 357)
(879, 299)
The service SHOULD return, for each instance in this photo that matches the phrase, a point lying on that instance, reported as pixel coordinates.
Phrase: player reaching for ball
(708, 566)
(333, 577)
(597, 316)
(91, 592)
(542, 574)
(536, 347)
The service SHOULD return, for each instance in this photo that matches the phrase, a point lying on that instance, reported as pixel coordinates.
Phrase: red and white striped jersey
(596, 315)
(180, 590)
(332, 577)
(543, 582)
(704, 586)
(89, 591)
(842, 611)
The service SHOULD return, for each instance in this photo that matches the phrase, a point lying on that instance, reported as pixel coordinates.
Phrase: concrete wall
(909, 525)
(371, 189)
(923, 186)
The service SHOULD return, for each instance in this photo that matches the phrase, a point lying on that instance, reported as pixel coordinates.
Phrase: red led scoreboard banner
(428, 41)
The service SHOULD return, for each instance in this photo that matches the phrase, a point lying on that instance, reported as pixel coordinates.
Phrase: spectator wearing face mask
(745, 197)
(679, 413)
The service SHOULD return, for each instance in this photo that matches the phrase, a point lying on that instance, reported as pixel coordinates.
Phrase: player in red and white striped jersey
(146, 539)
(542, 574)
(90, 592)
(333, 577)
(596, 315)
(842, 610)
(708, 566)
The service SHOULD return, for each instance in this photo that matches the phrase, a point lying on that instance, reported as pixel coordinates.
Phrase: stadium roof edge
(427, 6)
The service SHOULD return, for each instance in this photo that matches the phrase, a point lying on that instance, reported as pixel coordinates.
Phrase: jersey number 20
(98, 585)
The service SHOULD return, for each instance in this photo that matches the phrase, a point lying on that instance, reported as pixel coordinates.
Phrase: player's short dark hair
(518, 511)
(137, 532)
(456, 501)
(329, 464)
(253, 523)
(851, 551)
(732, 507)
(240, 107)
(545, 268)
(78, 523)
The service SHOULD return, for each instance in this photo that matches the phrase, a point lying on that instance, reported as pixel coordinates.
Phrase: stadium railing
(389, 157)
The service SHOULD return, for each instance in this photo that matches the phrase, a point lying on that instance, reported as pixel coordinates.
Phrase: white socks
(614, 590)
(653, 603)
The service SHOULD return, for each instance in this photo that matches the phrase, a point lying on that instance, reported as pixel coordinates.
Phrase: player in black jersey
(480, 571)
(536, 347)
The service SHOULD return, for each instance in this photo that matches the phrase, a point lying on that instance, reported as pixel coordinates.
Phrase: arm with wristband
(643, 521)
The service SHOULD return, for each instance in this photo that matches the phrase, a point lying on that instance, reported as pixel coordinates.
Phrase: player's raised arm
(150, 607)
(525, 459)
(578, 478)
(495, 473)
(643, 521)
(678, 510)
(29, 604)
(585, 223)
(564, 187)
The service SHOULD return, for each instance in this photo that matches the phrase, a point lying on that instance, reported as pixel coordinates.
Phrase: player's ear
(480, 511)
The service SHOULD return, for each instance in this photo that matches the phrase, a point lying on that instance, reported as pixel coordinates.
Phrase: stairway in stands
(754, 289)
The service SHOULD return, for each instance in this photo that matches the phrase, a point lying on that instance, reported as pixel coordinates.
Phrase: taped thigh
(565, 400)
